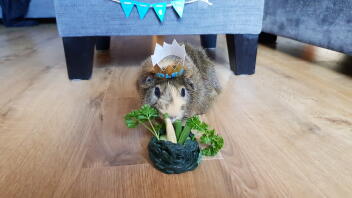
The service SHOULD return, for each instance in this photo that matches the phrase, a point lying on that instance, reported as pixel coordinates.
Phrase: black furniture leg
(208, 41)
(267, 38)
(79, 53)
(242, 49)
(103, 43)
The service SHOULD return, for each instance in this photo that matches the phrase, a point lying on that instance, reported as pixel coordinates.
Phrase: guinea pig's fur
(190, 94)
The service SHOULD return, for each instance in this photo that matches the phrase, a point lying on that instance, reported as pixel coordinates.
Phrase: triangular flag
(142, 9)
(127, 6)
(160, 9)
(178, 5)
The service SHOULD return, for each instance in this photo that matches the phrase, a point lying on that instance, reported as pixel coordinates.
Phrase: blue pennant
(160, 9)
(178, 5)
(160, 75)
(142, 8)
(127, 6)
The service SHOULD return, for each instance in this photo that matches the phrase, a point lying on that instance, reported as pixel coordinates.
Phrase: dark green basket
(173, 158)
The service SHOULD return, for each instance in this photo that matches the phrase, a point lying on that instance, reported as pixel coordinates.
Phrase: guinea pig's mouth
(173, 119)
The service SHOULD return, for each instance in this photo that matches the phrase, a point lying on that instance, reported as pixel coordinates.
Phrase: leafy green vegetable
(196, 124)
(213, 141)
(158, 127)
(146, 114)
(184, 134)
(130, 119)
(178, 128)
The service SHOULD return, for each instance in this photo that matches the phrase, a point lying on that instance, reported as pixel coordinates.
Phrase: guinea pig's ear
(146, 78)
(189, 84)
(189, 71)
(146, 81)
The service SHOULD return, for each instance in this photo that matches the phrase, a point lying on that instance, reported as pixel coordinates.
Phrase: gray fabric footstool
(325, 23)
(86, 24)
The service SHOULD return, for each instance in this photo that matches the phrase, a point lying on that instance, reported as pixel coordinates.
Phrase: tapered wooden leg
(103, 43)
(208, 41)
(79, 53)
(267, 38)
(242, 49)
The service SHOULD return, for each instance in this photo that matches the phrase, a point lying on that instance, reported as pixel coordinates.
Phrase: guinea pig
(187, 95)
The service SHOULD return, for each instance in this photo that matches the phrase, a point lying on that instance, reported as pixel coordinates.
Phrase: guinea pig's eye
(183, 92)
(157, 92)
(148, 79)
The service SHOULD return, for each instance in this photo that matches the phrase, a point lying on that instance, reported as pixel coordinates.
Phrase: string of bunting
(159, 8)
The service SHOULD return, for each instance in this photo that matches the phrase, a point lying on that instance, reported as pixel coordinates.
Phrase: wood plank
(44, 135)
(144, 181)
(287, 129)
(113, 144)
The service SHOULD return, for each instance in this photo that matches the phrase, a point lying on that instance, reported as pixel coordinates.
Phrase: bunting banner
(159, 8)
(127, 7)
(142, 9)
(178, 6)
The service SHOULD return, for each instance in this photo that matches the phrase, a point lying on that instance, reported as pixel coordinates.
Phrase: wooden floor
(287, 129)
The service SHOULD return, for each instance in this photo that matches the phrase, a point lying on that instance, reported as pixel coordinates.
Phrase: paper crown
(161, 52)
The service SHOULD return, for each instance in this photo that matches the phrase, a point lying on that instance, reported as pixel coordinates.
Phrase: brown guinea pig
(184, 96)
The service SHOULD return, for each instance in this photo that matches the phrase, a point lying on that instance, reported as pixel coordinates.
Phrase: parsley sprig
(146, 116)
(213, 141)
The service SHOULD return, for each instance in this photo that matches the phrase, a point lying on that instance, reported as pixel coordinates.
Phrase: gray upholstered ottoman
(325, 23)
(39, 9)
(86, 23)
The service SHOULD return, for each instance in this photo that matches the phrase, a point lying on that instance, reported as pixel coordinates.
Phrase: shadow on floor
(333, 60)
(121, 54)
(346, 66)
